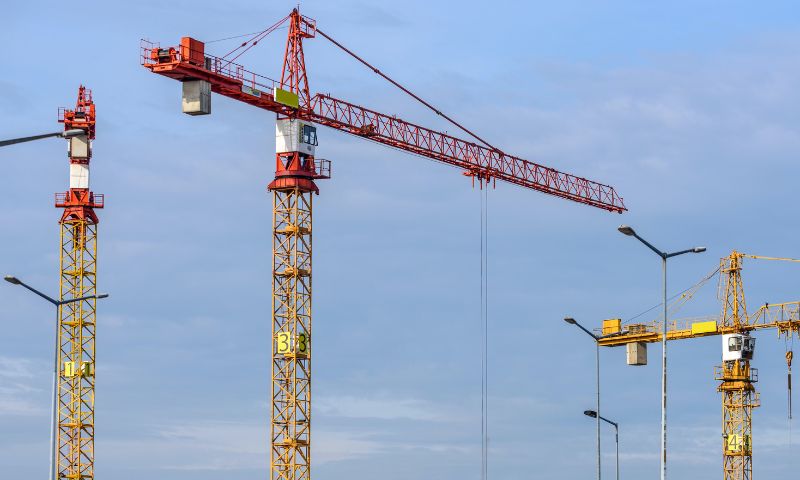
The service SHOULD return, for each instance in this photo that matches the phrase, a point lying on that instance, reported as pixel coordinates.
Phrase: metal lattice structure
(737, 377)
(738, 381)
(739, 398)
(291, 335)
(296, 170)
(74, 436)
(76, 351)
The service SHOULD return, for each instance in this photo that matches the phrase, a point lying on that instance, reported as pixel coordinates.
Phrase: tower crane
(296, 171)
(75, 356)
(737, 378)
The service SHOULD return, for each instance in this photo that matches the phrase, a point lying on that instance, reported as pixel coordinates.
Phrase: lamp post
(572, 321)
(65, 134)
(593, 414)
(57, 303)
(626, 230)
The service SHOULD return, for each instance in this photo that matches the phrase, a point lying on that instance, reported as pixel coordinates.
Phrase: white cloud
(15, 368)
(18, 395)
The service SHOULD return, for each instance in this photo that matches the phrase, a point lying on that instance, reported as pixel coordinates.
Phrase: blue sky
(687, 108)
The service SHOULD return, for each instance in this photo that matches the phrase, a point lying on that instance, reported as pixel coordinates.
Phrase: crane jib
(234, 81)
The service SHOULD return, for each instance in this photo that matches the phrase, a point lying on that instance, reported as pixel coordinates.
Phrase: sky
(688, 108)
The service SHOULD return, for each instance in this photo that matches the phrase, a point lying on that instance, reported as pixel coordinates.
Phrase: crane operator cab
(736, 346)
(293, 135)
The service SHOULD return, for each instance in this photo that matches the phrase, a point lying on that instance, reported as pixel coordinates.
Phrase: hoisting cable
(684, 295)
(247, 45)
(484, 331)
(232, 38)
(789, 356)
(407, 91)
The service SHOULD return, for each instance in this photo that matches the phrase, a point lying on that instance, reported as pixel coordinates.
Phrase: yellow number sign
(286, 345)
(284, 342)
(302, 343)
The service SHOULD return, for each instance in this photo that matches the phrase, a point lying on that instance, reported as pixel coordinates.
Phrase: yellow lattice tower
(74, 435)
(292, 192)
(291, 335)
(738, 390)
(76, 350)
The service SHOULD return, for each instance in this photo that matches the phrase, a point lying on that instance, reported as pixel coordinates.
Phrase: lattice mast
(74, 437)
(292, 200)
(739, 396)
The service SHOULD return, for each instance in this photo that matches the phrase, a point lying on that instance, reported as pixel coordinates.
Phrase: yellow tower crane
(739, 396)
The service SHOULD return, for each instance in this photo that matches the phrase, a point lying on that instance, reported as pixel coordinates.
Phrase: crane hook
(789, 356)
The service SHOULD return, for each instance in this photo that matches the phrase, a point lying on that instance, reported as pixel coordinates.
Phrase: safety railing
(96, 200)
(323, 168)
(735, 373)
(214, 64)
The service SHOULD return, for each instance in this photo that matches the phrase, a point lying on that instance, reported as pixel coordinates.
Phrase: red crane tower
(296, 172)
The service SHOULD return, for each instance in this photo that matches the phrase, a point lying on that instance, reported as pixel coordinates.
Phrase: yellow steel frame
(291, 335)
(783, 317)
(76, 351)
(739, 396)
(737, 387)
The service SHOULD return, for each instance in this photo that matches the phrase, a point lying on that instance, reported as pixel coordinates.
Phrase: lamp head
(101, 295)
(590, 413)
(699, 249)
(75, 132)
(12, 279)
(626, 230)
(570, 320)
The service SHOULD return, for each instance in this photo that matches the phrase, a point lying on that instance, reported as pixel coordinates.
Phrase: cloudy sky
(689, 108)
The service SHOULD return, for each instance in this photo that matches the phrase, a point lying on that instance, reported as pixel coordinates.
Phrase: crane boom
(783, 317)
(190, 62)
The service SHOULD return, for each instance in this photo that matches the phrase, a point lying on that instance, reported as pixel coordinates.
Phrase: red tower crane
(297, 169)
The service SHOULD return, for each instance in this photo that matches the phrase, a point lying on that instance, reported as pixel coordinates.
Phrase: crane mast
(739, 396)
(293, 189)
(292, 206)
(75, 358)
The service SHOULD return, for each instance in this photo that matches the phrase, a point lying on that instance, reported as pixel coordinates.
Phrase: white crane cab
(292, 135)
(738, 346)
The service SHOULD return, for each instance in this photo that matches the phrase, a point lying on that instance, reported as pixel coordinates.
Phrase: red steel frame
(79, 203)
(234, 81)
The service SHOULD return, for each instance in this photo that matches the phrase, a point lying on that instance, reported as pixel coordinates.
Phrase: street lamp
(75, 132)
(596, 339)
(626, 230)
(57, 303)
(593, 414)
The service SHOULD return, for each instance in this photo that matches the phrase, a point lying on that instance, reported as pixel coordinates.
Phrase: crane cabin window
(735, 344)
(310, 135)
